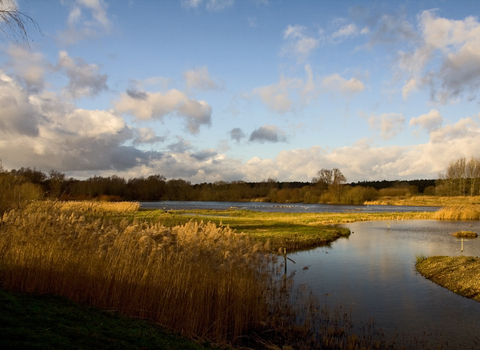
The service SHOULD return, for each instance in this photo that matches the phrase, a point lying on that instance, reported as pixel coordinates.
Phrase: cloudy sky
(209, 90)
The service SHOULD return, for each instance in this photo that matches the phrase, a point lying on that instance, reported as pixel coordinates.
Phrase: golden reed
(197, 278)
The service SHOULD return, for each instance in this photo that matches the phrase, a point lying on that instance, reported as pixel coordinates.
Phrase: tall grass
(98, 207)
(196, 278)
(459, 212)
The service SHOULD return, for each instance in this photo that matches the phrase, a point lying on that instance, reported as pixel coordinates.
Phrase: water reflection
(373, 273)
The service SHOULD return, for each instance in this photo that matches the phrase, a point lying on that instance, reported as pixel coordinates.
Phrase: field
(206, 275)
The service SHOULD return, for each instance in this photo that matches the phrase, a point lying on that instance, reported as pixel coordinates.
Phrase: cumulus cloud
(389, 124)
(211, 5)
(146, 135)
(455, 44)
(200, 79)
(156, 105)
(276, 96)
(298, 42)
(237, 134)
(337, 83)
(204, 154)
(430, 121)
(42, 130)
(28, 66)
(17, 115)
(466, 128)
(87, 19)
(268, 133)
(84, 79)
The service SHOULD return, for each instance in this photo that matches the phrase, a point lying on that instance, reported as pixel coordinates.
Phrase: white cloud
(146, 135)
(389, 124)
(82, 27)
(29, 66)
(299, 43)
(345, 31)
(84, 78)
(430, 121)
(40, 129)
(464, 129)
(200, 79)
(276, 96)
(147, 105)
(337, 83)
(455, 44)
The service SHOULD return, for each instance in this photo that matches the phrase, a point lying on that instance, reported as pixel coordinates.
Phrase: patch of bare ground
(460, 274)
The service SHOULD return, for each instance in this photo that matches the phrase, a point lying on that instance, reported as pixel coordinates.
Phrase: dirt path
(460, 274)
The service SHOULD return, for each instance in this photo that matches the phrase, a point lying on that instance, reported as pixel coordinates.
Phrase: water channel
(372, 273)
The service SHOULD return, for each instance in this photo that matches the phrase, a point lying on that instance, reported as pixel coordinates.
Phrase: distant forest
(461, 178)
(329, 186)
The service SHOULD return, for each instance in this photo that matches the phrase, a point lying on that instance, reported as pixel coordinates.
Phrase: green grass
(50, 322)
(291, 230)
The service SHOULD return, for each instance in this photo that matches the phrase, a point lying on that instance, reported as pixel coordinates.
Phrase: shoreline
(459, 274)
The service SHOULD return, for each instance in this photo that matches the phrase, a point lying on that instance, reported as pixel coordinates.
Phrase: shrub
(16, 192)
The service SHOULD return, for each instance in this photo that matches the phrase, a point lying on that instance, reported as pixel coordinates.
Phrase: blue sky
(224, 90)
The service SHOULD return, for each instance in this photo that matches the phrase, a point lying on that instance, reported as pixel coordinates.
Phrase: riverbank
(293, 231)
(426, 201)
(460, 274)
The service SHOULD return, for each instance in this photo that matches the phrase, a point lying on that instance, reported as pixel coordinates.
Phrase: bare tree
(14, 22)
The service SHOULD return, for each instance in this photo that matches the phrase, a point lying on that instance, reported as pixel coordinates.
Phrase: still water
(372, 274)
(280, 207)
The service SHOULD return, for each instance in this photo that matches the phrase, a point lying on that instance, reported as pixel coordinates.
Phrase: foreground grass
(49, 322)
(460, 274)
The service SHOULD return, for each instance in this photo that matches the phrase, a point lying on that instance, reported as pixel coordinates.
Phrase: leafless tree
(13, 22)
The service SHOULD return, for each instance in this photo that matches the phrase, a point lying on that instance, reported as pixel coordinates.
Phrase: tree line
(461, 178)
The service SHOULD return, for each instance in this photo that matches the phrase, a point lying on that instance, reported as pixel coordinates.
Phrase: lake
(281, 207)
(372, 274)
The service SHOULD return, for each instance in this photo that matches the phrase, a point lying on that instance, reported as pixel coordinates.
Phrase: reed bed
(96, 207)
(197, 278)
(459, 212)
(427, 201)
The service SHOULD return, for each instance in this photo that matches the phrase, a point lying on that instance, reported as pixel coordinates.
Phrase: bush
(16, 192)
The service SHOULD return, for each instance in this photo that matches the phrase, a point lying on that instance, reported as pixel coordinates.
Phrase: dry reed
(197, 279)
(97, 207)
(459, 212)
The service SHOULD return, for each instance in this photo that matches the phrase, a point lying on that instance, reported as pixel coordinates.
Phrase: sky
(241, 90)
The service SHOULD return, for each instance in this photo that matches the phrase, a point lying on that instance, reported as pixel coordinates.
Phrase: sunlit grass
(432, 201)
(197, 278)
(459, 212)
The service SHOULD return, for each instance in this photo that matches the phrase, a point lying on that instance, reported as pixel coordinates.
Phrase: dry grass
(459, 212)
(91, 207)
(459, 274)
(427, 201)
(197, 279)
(465, 234)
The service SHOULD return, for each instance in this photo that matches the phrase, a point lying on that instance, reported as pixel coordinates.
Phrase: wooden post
(461, 244)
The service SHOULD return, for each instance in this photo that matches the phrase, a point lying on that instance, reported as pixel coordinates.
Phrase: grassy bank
(49, 322)
(426, 201)
(289, 230)
(459, 274)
